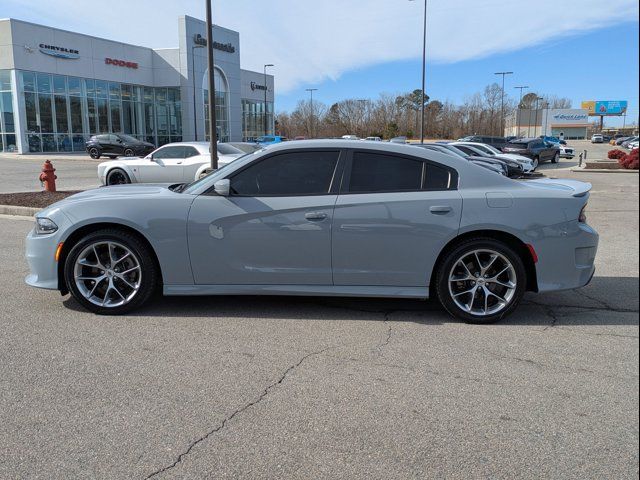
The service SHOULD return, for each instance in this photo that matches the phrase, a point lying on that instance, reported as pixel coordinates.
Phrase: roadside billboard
(605, 107)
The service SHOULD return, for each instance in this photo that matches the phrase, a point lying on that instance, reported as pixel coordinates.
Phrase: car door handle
(315, 216)
(440, 209)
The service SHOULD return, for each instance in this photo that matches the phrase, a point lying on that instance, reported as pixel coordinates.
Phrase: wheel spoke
(122, 279)
(95, 252)
(494, 257)
(509, 285)
(95, 285)
(137, 267)
(126, 255)
(472, 291)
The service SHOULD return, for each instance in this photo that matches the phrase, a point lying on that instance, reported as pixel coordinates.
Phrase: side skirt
(303, 290)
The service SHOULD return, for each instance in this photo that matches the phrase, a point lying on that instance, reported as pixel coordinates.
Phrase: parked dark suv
(496, 142)
(534, 148)
(114, 145)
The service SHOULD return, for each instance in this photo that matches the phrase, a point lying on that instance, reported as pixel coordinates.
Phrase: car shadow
(604, 302)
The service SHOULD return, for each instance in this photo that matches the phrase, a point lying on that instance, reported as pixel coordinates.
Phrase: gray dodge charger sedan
(322, 217)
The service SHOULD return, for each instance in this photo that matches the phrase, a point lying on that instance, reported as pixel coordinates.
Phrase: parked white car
(172, 163)
(597, 138)
(633, 145)
(566, 151)
(373, 139)
(528, 165)
(350, 137)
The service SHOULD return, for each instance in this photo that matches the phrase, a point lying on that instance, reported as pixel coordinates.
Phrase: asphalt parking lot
(281, 387)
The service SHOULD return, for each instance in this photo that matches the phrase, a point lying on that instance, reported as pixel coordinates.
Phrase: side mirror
(222, 187)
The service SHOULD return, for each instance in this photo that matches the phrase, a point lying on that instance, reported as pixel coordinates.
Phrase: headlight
(45, 225)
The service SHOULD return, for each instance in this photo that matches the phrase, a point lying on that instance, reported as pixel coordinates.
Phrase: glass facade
(222, 106)
(62, 112)
(253, 119)
(7, 124)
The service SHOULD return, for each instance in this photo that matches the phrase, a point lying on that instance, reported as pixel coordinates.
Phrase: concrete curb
(603, 170)
(19, 211)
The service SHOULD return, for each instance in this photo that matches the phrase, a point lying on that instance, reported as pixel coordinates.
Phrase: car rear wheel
(110, 272)
(481, 281)
(556, 158)
(94, 153)
(128, 152)
(117, 176)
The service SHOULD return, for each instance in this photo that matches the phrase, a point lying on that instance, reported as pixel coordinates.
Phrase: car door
(105, 145)
(116, 144)
(193, 160)
(393, 216)
(164, 165)
(275, 226)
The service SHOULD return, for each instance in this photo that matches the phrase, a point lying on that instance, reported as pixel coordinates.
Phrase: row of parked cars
(625, 141)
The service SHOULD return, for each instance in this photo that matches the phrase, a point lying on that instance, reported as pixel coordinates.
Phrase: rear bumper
(567, 258)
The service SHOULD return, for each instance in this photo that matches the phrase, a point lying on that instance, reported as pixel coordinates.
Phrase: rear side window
(436, 178)
(288, 174)
(190, 152)
(373, 172)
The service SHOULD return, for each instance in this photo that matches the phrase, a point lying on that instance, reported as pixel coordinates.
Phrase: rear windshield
(228, 149)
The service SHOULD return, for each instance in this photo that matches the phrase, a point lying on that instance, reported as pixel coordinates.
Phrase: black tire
(556, 158)
(94, 153)
(459, 251)
(149, 279)
(128, 152)
(117, 176)
(536, 163)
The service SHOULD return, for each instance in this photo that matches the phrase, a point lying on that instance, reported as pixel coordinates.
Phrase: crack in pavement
(386, 341)
(237, 412)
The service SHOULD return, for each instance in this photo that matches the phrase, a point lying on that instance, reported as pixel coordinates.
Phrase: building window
(63, 112)
(7, 125)
(222, 105)
(253, 119)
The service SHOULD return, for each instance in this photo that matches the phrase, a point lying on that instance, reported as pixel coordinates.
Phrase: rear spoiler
(577, 188)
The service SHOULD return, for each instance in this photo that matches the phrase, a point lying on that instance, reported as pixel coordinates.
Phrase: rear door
(393, 216)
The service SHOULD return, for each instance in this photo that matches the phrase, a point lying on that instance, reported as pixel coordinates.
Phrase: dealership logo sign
(570, 116)
(225, 47)
(120, 63)
(256, 86)
(59, 52)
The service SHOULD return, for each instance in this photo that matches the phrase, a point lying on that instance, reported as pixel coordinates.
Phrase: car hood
(134, 191)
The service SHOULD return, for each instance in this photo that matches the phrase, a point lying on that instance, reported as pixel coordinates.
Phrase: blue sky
(581, 49)
(599, 65)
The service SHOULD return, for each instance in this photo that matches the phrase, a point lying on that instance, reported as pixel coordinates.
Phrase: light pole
(311, 90)
(520, 87)
(535, 125)
(424, 67)
(193, 75)
(213, 133)
(265, 95)
(502, 100)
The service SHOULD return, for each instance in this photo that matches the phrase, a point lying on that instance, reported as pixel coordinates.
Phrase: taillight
(582, 218)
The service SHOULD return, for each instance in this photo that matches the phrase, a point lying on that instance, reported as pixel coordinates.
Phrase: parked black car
(496, 142)
(534, 148)
(114, 145)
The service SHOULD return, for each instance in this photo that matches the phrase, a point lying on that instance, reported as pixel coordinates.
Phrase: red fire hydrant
(47, 177)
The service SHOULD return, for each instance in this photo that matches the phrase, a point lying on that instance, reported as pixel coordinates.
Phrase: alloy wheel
(117, 177)
(107, 274)
(482, 282)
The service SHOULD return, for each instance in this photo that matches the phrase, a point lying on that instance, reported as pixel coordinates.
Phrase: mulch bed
(33, 199)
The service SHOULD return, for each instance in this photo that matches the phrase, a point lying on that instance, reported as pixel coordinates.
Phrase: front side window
(288, 174)
(375, 172)
(169, 152)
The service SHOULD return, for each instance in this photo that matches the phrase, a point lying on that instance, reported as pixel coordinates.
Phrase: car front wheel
(110, 272)
(128, 152)
(117, 176)
(481, 281)
(556, 158)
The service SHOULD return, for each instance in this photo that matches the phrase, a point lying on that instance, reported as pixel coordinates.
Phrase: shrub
(630, 161)
(616, 154)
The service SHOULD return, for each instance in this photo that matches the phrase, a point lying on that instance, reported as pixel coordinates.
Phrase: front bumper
(41, 251)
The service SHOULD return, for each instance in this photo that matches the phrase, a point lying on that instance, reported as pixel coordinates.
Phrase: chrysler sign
(59, 52)
(257, 86)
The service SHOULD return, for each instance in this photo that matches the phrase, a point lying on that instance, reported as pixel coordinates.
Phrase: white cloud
(310, 41)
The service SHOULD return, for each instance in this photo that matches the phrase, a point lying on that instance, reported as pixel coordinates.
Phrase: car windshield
(225, 149)
(190, 187)
(517, 144)
(492, 149)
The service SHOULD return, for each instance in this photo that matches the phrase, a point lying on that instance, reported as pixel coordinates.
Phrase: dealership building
(57, 88)
(569, 123)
